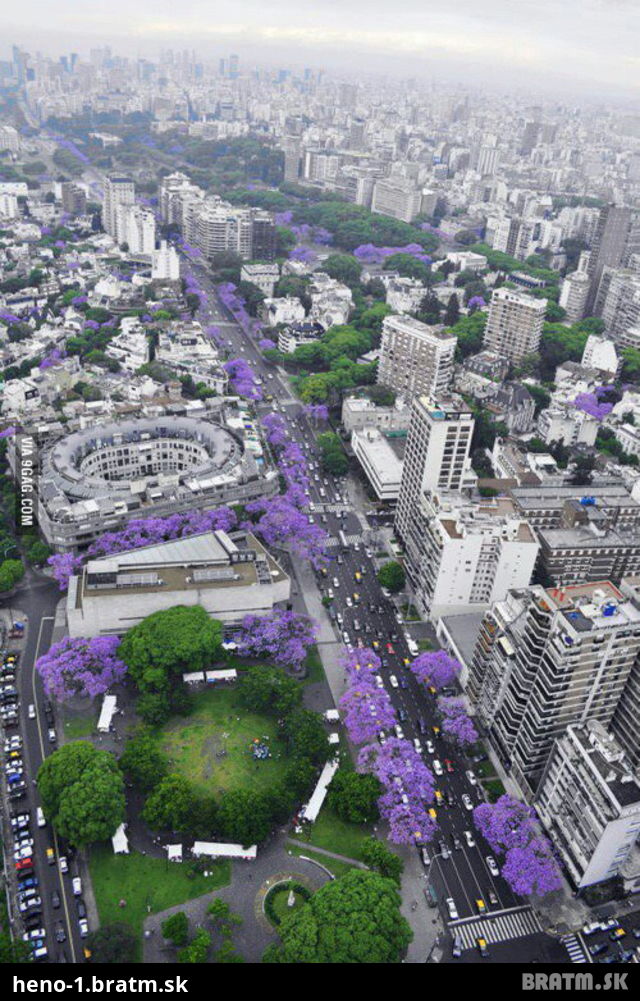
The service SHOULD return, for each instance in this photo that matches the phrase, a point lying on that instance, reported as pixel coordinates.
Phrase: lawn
(313, 664)
(336, 835)
(212, 746)
(333, 865)
(79, 726)
(148, 885)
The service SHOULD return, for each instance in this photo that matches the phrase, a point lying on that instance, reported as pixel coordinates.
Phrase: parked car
(466, 801)
(451, 907)
(76, 884)
(55, 900)
(492, 865)
(83, 925)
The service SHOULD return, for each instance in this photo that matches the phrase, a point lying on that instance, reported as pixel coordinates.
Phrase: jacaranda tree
(81, 667)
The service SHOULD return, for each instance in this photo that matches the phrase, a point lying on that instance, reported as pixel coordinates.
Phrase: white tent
(174, 853)
(106, 713)
(334, 738)
(332, 716)
(120, 842)
(220, 849)
(312, 809)
(193, 678)
(226, 674)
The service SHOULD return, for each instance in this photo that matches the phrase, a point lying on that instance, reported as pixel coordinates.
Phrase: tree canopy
(165, 644)
(392, 576)
(82, 792)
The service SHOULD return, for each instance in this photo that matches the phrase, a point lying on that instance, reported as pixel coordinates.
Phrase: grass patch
(313, 664)
(494, 789)
(424, 645)
(333, 865)
(79, 727)
(148, 885)
(484, 770)
(212, 746)
(336, 835)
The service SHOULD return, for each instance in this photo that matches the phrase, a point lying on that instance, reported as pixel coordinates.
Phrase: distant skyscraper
(233, 67)
(415, 358)
(117, 191)
(608, 248)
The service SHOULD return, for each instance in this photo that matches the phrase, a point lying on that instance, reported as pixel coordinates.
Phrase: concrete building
(586, 549)
(608, 249)
(74, 198)
(548, 658)
(286, 309)
(396, 198)
(470, 555)
(568, 425)
(96, 480)
(589, 802)
(380, 462)
(229, 577)
(600, 353)
(514, 324)
(264, 276)
(130, 347)
(165, 263)
(360, 413)
(573, 295)
(136, 227)
(415, 359)
(560, 505)
(293, 335)
(118, 191)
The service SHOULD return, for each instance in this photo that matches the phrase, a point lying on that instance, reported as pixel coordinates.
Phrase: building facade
(415, 358)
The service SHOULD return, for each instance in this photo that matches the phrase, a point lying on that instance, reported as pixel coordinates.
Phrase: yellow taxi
(482, 947)
(432, 813)
(481, 906)
(358, 576)
(439, 797)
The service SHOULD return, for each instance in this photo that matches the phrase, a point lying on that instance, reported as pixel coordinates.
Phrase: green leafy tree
(171, 805)
(343, 268)
(154, 708)
(175, 928)
(143, 762)
(392, 576)
(252, 295)
(354, 796)
(82, 793)
(113, 943)
(377, 856)
(11, 571)
(160, 648)
(305, 735)
(630, 365)
(197, 950)
(409, 267)
(452, 312)
(268, 690)
(243, 816)
(354, 919)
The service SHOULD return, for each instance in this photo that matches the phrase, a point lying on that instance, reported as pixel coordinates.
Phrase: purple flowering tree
(63, 567)
(361, 663)
(409, 787)
(242, 379)
(368, 253)
(317, 412)
(81, 667)
(476, 302)
(456, 723)
(436, 668)
(283, 524)
(590, 404)
(510, 828)
(366, 710)
(284, 637)
(266, 344)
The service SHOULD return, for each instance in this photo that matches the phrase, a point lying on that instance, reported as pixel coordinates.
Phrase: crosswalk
(493, 928)
(351, 539)
(573, 947)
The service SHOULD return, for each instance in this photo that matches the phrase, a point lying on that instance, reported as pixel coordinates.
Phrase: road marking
(495, 928)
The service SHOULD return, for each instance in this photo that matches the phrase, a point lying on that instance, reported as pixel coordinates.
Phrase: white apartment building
(568, 425)
(187, 351)
(514, 325)
(600, 353)
(415, 358)
(548, 658)
(404, 295)
(629, 437)
(165, 263)
(467, 260)
(136, 227)
(263, 276)
(9, 206)
(286, 309)
(589, 802)
(573, 295)
(9, 139)
(360, 413)
(470, 555)
(380, 463)
(118, 191)
(131, 346)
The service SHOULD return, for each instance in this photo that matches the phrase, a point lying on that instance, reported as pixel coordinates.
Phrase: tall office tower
(514, 236)
(348, 95)
(222, 67)
(619, 295)
(529, 137)
(514, 324)
(573, 295)
(462, 556)
(292, 148)
(415, 358)
(74, 199)
(546, 659)
(233, 67)
(589, 802)
(356, 133)
(609, 243)
(117, 191)
(488, 160)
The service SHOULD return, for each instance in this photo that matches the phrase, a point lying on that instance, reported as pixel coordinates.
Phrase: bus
(342, 539)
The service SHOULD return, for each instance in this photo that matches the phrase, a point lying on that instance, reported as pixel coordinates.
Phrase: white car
(453, 910)
(379, 681)
(417, 745)
(76, 884)
(472, 779)
(492, 865)
(430, 748)
(399, 732)
(31, 711)
(64, 865)
(21, 853)
(33, 936)
(393, 681)
(83, 925)
(336, 582)
(466, 800)
(437, 767)
(40, 817)
(349, 601)
(382, 738)
(469, 838)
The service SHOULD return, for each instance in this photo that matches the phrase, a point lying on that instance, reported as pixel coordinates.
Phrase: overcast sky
(590, 45)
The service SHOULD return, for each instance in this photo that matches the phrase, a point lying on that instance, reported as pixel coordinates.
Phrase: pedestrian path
(517, 923)
(573, 947)
(351, 540)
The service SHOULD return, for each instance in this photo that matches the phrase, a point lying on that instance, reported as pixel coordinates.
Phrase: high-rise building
(625, 722)
(514, 325)
(573, 295)
(415, 358)
(292, 148)
(529, 137)
(462, 556)
(609, 244)
(136, 226)
(548, 658)
(165, 263)
(589, 802)
(74, 199)
(396, 198)
(117, 191)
